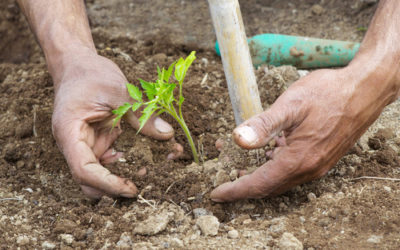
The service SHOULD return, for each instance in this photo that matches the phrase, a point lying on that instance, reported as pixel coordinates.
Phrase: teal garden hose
(301, 52)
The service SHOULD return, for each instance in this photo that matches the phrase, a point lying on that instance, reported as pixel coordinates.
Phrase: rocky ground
(42, 207)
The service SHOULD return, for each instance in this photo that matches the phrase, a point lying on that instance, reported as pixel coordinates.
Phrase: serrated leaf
(146, 114)
(134, 92)
(168, 72)
(136, 106)
(179, 69)
(159, 72)
(182, 66)
(120, 111)
(149, 89)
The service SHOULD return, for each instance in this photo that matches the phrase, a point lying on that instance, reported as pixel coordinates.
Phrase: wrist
(62, 55)
(379, 72)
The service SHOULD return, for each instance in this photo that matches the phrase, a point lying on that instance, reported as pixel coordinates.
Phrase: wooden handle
(238, 67)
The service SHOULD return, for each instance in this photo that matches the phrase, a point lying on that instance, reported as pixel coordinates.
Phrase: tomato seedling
(161, 97)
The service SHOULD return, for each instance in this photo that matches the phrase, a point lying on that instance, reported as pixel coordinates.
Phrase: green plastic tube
(301, 52)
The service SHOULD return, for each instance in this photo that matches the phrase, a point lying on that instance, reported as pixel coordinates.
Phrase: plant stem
(183, 125)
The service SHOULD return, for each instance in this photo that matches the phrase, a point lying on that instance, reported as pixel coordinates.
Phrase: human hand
(321, 116)
(89, 88)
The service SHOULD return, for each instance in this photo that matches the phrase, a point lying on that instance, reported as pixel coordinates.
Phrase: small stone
(48, 245)
(233, 234)
(208, 225)
(375, 239)
(221, 177)
(288, 241)
(20, 164)
(311, 196)
(22, 240)
(142, 172)
(160, 57)
(387, 189)
(23, 130)
(68, 239)
(125, 241)
(198, 212)
(176, 243)
(233, 175)
(246, 222)
(154, 224)
(219, 144)
(109, 224)
(317, 9)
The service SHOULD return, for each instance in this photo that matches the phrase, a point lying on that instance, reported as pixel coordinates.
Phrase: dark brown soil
(338, 211)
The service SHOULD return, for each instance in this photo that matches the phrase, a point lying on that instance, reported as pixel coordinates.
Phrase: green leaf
(149, 89)
(134, 92)
(159, 72)
(146, 114)
(183, 65)
(179, 69)
(136, 106)
(168, 73)
(120, 111)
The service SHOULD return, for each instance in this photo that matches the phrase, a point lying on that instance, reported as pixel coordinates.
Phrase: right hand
(90, 87)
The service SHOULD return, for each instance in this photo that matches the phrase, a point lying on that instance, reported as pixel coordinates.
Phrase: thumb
(257, 131)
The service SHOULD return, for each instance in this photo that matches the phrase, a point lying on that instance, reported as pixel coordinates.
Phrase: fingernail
(113, 152)
(247, 134)
(128, 195)
(162, 126)
(217, 200)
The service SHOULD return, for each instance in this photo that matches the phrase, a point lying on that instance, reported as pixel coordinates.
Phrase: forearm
(380, 49)
(62, 29)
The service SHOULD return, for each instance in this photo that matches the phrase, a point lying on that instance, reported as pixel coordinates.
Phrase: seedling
(161, 97)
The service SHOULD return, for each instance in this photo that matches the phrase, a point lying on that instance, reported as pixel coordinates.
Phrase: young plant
(161, 97)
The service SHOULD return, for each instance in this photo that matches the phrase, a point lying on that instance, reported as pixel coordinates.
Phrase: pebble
(233, 234)
(233, 175)
(375, 239)
(22, 240)
(68, 239)
(317, 9)
(208, 225)
(125, 241)
(198, 212)
(48, 245)
(311, 196)
(387, 189)
(176, 243)
(142, 172)
(288, 241)
(221, 177)
(154, 224)
(219, 144)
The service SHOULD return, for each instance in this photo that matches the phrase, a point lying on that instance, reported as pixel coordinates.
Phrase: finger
(104, 139)
(155, 127)
(85, 167)
(110, 156)
(260, 129)
(92, 192)
(177, 151)
(266, 180)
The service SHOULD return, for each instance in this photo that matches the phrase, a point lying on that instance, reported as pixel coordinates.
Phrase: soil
(42, 207)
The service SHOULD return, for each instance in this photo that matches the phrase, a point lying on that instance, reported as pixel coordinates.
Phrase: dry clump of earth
(42, 207)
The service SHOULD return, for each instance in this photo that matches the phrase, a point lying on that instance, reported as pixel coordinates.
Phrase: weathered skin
(322, 115)
(87, 87)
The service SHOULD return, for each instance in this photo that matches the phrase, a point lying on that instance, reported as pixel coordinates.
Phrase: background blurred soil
(42, 207)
